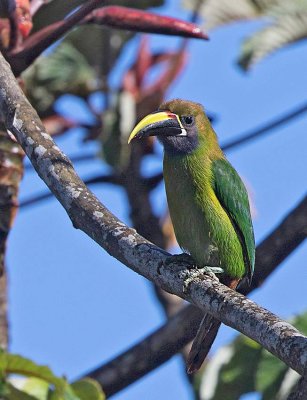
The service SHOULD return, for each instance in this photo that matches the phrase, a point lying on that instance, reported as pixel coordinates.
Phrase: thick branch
(122, 242)
(74, 159)
(158, 347)
(128, 367)
(300, 391)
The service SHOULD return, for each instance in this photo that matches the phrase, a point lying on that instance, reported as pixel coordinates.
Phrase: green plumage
(232, 196)
(208, 202)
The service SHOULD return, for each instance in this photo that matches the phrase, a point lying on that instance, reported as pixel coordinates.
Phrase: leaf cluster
(41, 383)
(283, 22)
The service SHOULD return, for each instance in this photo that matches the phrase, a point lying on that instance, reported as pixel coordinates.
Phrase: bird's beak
(159, 123)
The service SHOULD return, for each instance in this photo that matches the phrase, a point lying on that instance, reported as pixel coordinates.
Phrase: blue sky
(72, 306)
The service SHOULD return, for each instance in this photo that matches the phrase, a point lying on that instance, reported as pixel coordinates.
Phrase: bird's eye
(188, 120)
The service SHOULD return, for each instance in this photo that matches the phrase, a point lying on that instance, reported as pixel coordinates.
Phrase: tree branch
(181, 328)
(122, 242)
(266, 128)
(159, 347)
(300, 391)
(113, 16)
(74, 159)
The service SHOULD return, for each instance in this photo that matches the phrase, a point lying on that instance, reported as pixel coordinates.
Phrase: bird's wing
(233, 197)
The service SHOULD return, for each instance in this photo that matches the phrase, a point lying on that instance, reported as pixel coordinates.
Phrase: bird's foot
(200, 272)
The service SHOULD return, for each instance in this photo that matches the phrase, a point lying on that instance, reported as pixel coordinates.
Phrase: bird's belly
(190, 223)
(195, 238)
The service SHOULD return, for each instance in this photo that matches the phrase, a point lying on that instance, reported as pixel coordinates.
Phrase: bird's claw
(200, 272)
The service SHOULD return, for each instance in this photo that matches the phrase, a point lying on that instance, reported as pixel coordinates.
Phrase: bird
(207, 200)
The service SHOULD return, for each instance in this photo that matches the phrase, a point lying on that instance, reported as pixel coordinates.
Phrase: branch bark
(108, 179)
(126, 368)
(4, 326)
(122, 242)
(300, 391)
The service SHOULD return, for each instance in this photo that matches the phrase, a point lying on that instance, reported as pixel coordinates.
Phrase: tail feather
(203, 341)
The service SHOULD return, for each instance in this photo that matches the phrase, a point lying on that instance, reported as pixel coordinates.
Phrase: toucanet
(207, 200)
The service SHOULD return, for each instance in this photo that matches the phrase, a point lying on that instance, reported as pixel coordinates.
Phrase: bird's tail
(203, 341)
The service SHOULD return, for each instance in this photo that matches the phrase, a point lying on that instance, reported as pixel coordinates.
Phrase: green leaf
(222, 12)
(13, 393)
(37, 388)
(88, 389)
(239, 374)
(286, 23)
(15, 364)
(282, 32)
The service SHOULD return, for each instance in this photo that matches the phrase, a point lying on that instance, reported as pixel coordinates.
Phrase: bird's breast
(190, 218)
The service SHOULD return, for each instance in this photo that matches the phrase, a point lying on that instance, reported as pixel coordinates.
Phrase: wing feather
(233, 197)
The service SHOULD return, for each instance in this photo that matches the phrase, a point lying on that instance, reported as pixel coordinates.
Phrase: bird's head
(180, 125)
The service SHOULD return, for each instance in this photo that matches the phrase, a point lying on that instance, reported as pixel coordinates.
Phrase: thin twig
(265, 129)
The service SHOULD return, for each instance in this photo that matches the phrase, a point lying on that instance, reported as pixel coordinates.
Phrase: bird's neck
(195, 166)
